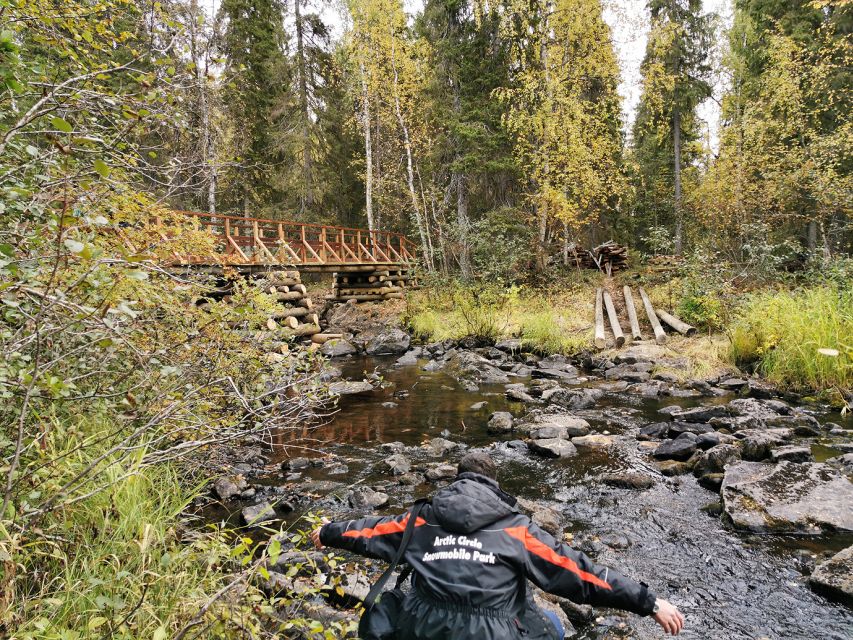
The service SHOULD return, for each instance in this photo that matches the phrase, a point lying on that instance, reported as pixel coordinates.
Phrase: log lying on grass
(660, 335)
(682, 327)
(599, 320)
(614, 320)
(632, 313)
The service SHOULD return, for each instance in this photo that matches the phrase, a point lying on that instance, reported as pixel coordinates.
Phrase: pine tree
(675, 80)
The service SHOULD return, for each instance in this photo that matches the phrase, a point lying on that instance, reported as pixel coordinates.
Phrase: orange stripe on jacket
(383, 529)
(539, 548)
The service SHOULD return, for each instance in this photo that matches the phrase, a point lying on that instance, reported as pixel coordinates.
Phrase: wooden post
(323, 245)
(632, 313)
(614, 320)
(599, 320)
(682, 327)
(303, 251)
(660, 336)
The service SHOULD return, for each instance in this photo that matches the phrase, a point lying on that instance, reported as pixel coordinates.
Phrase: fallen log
(323, 338)
(660, 335)
(599, 320)
(614, 320)
(632, 313)
(289, 296)
(301, 331)
(682, 327)
(295, 312)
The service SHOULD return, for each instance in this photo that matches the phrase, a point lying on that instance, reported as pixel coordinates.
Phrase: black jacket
(472, 553)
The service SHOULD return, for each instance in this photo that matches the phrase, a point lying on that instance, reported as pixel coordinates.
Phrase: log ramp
(367, 283)
(604, 301)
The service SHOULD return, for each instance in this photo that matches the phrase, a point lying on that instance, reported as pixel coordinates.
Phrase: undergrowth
(801, 339)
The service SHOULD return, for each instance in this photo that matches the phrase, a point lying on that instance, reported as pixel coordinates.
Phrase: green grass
(546, 323)
(799, 339)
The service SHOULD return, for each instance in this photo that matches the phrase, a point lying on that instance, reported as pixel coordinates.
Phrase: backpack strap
(377, 588)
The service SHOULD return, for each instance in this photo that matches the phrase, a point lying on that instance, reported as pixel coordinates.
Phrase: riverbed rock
(338, 348)
(409, 358)
(228, 487)
(295, 464)
(708, 440)
(677, 428)
(593, 441)
(390, 342)
(511, 345)
(628, 373)
(654, 431)
(349, 387)
(628, 480)
(792, 453)
(393, 447)
(573, 398)
(761, 389)
(788, 497)
(732, 384)
(440, 446)
(557, 426)
(715, 459)
(700, 414)
(678, 449)
(543, 515)
(441, 472)
(367, 498)
(467, 366)
(843, 462)
(756, 444)
(500, 422)
(552, 447)
(834, 578)
(258, 513)
(396, 465)
(519, 394)
(671, 468)
(478, 405)
(712, 481)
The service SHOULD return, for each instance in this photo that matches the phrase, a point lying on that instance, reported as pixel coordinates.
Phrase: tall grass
(800, 339)
(544, 323)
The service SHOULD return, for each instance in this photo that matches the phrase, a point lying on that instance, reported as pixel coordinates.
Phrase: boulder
(295, 464)
(410, 357)
(788, 498)
(656, 430)
(700, 414)
(512, 345)
(258, 513)
(760, 389)
(751, 407)
(228, 487)
(573, 398)
(792, 453)
(677, 428)
(732, 384)
(715, 459)
(678, 449)
(545, 431)
(707, 440)
(500, 422)
(520, 395)
(390, 342)
(441, 472)
(396, 465)
(673, 467)
(712, 481)
(628, 480)
(367, 498)
(572, 425)
(393, 447)
(467, 366)
(843, 462)
(337, 348)
(756, 444)
(552, 447)
(440, 446)
(349, 387)
(627, 373)
(834, 578)
(593, 441)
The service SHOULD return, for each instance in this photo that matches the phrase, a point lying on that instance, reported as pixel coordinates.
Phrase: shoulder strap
(377, 588)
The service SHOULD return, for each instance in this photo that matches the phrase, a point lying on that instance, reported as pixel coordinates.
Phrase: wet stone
(441, 472)
(410, 357)
(677, 428)
(228, 487)
(615, 540)
(834, 578)
(390, 342)
(520, 395)
(337, 348)
(656, 430)
(393, 447)
(712, 481)
(628, 480)
(732, 384)
(757, 444)
(678, 449)
(627, 373)
(715, 459)
(593, 441)
(411, 479)
(509, 346)
(707, 440)
(500, 422)
(552, 447)
(673, 468)
(791, 453)
(440, 446)
(700, 414)
(571, 425)
(389, 405)
(573, 398)
(788, 497)
(671, 410)
(295, 464)
(350, 387)
(478, 405)
(396, 465)
(258, 513)
(367, 498)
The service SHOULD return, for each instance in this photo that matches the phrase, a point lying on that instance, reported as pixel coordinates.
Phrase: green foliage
(504, 228)
(800, 339)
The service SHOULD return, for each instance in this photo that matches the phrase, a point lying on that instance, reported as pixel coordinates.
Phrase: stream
(728, 584)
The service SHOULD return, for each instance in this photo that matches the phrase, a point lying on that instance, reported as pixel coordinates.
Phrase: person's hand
(315, 535)
(669, 617)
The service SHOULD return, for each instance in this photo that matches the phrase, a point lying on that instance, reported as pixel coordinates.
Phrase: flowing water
(728, 584)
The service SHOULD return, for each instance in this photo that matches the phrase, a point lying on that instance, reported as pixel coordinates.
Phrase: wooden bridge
(258, 243)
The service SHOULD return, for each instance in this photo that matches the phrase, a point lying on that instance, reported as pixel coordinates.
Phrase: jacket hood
(471, 503)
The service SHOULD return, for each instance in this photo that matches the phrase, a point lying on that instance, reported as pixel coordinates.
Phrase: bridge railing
(263, 241)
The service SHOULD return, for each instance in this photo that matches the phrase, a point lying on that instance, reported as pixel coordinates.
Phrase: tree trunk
(811, 236)
(368, 152)
(410, 172)
(201, 60)
(462, 221)
(676, 143)
(308, 202)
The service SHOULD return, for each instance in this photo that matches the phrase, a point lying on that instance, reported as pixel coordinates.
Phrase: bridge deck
(256, 243)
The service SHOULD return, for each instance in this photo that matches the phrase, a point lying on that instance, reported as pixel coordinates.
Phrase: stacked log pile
(294, 314)
(371, 283)
(608, 257)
